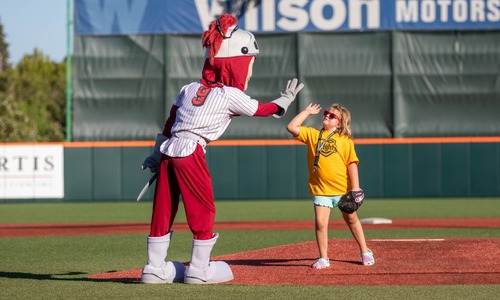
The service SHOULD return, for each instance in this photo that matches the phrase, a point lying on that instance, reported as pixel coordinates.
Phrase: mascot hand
(287, 96)
(153, 161)
(292, 89)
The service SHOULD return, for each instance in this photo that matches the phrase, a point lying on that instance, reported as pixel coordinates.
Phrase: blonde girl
(333, 171)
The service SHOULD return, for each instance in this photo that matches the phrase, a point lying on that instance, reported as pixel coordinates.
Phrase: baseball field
(439, 248)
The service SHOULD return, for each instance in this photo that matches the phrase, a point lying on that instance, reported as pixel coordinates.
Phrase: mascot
(201, 113)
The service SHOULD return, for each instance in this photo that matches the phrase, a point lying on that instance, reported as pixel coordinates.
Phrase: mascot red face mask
(230, 53)
(201, 114)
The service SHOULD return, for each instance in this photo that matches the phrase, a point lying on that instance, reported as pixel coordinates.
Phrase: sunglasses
(331, 115)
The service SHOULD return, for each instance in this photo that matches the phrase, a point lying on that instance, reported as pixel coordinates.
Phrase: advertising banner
(98, 17)
(31, 171)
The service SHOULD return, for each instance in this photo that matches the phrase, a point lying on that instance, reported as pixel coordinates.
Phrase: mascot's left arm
(266, 109)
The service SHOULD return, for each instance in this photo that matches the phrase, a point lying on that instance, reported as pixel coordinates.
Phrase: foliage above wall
(32, 100)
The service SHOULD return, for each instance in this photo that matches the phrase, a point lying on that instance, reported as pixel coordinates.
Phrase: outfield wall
(276, 169)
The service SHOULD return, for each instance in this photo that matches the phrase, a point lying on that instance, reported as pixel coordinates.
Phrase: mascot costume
(201, 113)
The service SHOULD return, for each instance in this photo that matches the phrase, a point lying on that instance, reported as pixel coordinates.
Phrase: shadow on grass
(22, 275)
(126, 277)
(299, 262)
(60, 277)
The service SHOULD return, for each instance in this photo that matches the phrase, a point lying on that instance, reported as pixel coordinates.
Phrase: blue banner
(114, 17)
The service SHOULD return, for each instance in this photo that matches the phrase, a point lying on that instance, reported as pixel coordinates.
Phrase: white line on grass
(406, 240)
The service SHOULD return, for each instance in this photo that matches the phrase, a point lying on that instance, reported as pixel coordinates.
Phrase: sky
(30, 24)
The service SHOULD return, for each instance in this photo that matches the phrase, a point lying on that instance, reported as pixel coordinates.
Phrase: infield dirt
(398, 261)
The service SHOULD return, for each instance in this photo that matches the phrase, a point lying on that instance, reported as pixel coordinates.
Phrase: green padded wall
(281, 180)
(426, 171)
(456, 169)
(418, 170)
(106, 181)
(78, 174)
(371, 165)
(484, 169)
(396, 171)
(132, 177)
(280, 172)
(223, 167)
(257, 172)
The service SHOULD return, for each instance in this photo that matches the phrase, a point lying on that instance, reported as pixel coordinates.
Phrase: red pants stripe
(187, 176)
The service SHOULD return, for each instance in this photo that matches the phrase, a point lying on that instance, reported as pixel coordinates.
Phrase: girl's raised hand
(313, 109)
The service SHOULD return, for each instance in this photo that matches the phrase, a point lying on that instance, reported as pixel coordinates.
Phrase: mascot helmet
(224, 39)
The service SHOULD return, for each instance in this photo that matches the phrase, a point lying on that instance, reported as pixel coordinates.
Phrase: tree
(32, 108)
(4, 56)
(15, 124)
(4, 53)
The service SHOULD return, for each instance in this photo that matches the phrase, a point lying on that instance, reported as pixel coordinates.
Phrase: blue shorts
(327, 201)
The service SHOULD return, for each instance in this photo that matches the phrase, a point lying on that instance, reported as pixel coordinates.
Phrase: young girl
(333, 170)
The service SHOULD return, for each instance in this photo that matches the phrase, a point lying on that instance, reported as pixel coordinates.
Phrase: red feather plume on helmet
(212, 38)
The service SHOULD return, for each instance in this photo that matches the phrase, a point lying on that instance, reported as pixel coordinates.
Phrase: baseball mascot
(201, 113)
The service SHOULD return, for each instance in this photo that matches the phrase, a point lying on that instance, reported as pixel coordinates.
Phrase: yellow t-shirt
(331, 177)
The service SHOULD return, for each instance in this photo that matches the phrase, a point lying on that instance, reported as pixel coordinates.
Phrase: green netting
(118, 87)
(396, 84)
(353, 69)
(446, 83)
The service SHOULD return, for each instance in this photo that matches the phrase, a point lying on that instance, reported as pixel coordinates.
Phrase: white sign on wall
(31, 171)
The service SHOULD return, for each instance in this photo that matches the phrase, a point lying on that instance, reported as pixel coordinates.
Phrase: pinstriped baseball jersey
(205, 112)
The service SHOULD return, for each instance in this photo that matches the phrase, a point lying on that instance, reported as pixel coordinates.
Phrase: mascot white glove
(153, 161)
(287, 97)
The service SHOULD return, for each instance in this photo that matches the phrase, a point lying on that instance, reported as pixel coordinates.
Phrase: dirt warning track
(62, 229)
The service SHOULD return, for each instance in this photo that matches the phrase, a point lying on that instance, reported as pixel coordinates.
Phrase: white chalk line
(406, 240)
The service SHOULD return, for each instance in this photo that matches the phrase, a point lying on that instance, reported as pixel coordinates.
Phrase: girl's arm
(294, 125)
(352, 168)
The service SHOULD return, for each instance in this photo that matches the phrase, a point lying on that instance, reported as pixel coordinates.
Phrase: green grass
(57, 267)
(228, 210)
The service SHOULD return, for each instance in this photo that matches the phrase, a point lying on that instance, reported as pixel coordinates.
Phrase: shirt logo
(329, 148)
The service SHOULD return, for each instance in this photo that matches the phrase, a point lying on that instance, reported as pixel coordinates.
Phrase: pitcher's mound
(397, 262)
